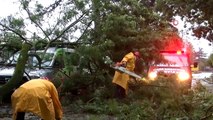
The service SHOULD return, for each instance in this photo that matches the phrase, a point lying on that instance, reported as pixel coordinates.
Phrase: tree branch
(12, 30)
(84, 31)
(30, 17)
(50, 8)
(69, 26)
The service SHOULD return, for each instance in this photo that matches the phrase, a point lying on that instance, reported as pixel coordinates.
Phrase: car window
(32, 60)
(47, 58)
(13, 59)
(177, 60)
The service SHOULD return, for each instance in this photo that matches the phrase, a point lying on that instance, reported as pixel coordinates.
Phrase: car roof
(54, 50)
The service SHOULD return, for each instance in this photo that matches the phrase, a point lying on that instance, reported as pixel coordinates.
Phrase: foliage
(149, 101)
(111, 28)
(119, 27)
(198, 13)
(79, 81)
(107, 28)
(130, 25)
(18, 73)
(9, 44)
(200, 54)
(210, 60)
(15, 28)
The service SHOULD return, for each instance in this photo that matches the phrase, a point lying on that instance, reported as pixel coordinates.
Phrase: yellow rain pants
(38, 96)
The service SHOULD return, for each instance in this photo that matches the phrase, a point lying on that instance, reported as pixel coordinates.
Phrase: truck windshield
(175, 60)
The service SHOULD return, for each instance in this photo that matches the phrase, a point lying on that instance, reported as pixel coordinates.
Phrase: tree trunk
(18, 73)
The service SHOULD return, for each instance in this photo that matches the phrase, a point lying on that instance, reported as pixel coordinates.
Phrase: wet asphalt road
(204, 78)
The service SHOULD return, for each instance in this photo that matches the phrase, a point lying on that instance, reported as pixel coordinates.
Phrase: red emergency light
(173, 52)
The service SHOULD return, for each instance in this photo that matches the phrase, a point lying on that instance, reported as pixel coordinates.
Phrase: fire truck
(174, 62)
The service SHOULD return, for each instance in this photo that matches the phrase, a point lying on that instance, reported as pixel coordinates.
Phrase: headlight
(36, 74)
(183, 75)
(152, 75)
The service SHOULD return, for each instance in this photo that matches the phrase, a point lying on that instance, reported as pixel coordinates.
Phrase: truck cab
(174, 62)
(40, 63)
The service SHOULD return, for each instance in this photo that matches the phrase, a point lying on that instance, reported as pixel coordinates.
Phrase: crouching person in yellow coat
(38, 96)
(121, 79)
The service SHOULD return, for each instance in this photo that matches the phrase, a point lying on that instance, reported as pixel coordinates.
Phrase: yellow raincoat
(38, 96)
(121, 79)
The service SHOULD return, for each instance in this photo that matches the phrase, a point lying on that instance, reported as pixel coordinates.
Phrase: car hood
(6, 71)
(32, 73)
(37, 73)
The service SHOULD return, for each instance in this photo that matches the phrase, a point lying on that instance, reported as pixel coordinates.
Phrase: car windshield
(33, 60)
(46, 58)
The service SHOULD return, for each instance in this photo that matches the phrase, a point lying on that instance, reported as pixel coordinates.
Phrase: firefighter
(121, 79)
(38, 96)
